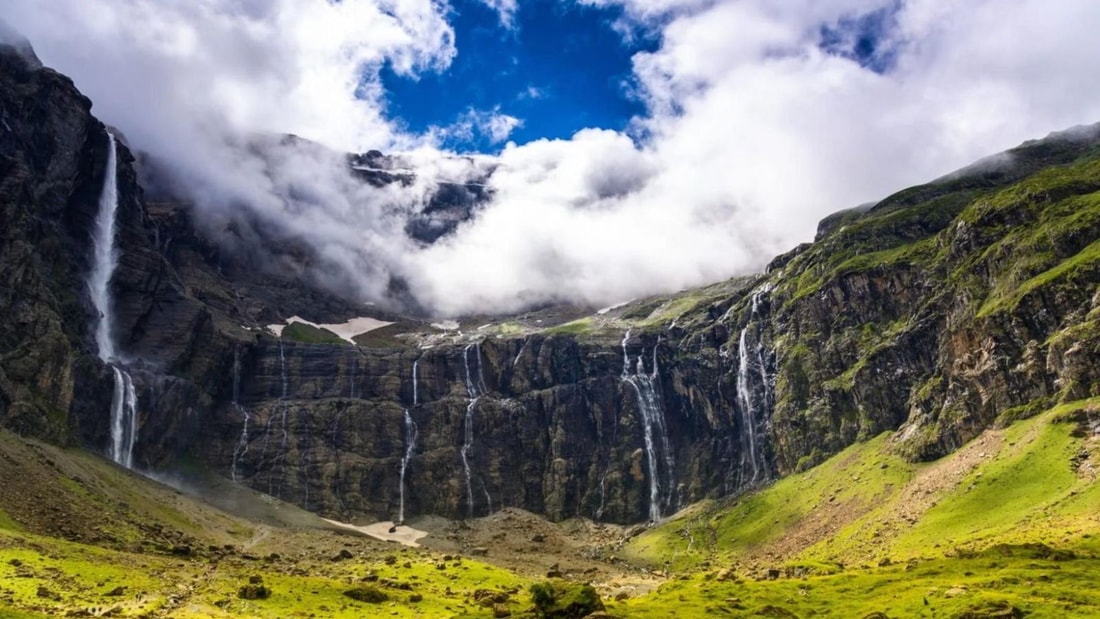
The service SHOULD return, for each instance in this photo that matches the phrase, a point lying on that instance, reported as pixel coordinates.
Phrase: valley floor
(1008, 526)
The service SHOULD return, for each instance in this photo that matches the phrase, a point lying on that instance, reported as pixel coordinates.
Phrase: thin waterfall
(522, 348)
(106, 256)
(104, 263)
(474, 389)
(242, 444)
(354, 373)
(410, 442)
(746, 407)
(410, 446)
(123, 418)
(655, 434)
(282, 409)
(280, 457)
(754, 394)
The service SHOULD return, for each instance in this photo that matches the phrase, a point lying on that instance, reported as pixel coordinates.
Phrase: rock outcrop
(936, 313)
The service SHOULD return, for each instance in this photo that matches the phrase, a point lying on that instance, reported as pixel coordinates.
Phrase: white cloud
(491, 124)
(506, 10)
(753, 132)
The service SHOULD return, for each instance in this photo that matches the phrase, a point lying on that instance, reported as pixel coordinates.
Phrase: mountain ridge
(848, 337)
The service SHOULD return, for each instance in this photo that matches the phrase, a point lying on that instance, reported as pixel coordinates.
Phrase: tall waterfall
(284, 443)
(655, 433)
(242, 444)
(474, 389)
(410, 441)
(105, 261)
(754, 395)
(410, 446)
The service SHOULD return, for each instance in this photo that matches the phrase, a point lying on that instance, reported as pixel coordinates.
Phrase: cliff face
(52, 156)
(940, 311)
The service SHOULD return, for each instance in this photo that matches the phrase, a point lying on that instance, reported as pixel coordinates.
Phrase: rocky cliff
(941, 310)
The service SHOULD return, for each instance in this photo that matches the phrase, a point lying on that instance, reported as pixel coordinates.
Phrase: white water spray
(242, 444)
(281, 457)
(653, 427)
(474, 389)
(104, 263)
(410, 445)
(123, 418)
(753, 395)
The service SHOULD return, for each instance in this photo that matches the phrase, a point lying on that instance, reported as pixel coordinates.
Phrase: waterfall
(410, 443)
(281, 456)
(522, 348)
(354, 373)
(242, 444)
(123, 418)
(754, 395)
(657, 446)
(410, 446)
(104, 263)
(474, 389)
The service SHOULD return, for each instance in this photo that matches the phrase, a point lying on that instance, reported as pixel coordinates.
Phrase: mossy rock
(559, 599)
(254, 592)
(367, 595)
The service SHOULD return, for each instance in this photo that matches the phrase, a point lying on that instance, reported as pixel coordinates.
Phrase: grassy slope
(74, 527)
(869, 532)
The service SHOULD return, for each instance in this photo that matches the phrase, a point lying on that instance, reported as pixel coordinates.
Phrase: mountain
(947, 313)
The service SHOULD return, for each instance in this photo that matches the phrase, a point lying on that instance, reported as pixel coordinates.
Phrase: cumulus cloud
(762, 118)
(493, 125)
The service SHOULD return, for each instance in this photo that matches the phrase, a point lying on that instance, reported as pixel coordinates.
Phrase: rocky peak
(942, 310)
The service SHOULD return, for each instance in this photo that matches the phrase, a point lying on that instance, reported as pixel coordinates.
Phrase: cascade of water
(123, 418)
(603, 494)
(242, 444)
(753, 394)
(522, 348)
(354, 373)
(410, 439)
(281, 457)
(410, 447)
(473, 391)
(104, 263)
(746, 408)
(105, 258)
(655, 434)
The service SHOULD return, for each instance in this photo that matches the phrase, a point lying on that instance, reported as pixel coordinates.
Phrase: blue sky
(558, 67)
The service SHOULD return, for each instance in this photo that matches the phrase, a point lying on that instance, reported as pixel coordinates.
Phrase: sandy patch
(347, 331)
(404, 534)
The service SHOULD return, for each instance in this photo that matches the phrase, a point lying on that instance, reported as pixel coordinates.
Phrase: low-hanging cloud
(755, 129)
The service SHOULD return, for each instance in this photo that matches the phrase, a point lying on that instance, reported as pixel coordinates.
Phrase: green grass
(1019, 530)
(387, 337)
(308, 334)
(1081, 269)
(859, 475)
(82, 576)
(1024, 490)
(1015, 496)
(673, 309)
(580, 326)
(939, 588)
